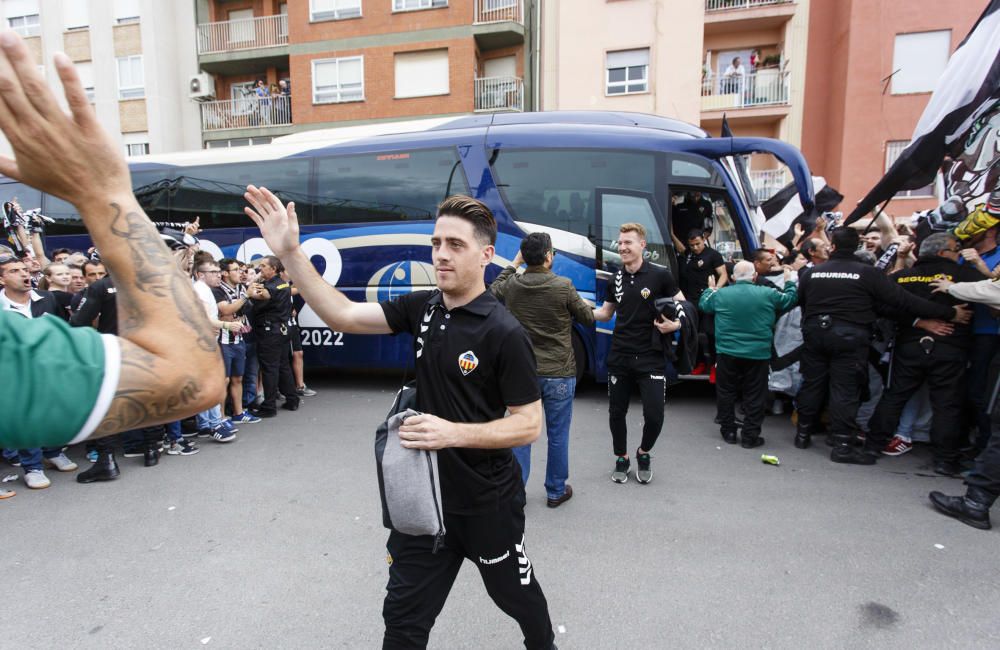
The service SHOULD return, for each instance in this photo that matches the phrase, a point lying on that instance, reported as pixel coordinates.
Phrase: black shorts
(296, 337)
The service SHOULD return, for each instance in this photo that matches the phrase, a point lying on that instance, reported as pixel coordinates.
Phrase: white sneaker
(36, 479)
(60, 463)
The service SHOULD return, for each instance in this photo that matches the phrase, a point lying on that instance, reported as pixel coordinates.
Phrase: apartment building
(872, 65)
(135, 58)
(694, 60)
(268, 68)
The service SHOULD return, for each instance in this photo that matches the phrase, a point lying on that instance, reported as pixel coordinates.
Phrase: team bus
(366, 201)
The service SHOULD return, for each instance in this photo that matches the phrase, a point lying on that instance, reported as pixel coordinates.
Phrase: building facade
(270, 68)
(134, 58)
(694, 60)
(872, 65)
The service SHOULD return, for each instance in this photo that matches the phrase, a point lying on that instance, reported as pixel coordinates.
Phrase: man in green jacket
(546, 304)
(744, 328)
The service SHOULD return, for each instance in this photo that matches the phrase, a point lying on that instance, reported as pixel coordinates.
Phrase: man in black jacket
(839, 300)
(929, 350)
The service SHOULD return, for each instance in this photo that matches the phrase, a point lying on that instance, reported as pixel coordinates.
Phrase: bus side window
(724, 237)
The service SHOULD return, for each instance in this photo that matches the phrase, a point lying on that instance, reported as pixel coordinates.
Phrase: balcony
(726, 5)
(499, 94)
(498, 23)
(243, 34)
(761, 89)
(767, 182)
(246, 113)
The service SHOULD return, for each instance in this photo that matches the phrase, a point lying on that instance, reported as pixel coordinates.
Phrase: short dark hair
(83, 268)
(7, 260)
(845, 238)
(792, 256)
(203, 257)
(535, 247)
(696, 232)
(807, 248)
(226, 262)
(484, 225)
(274, 263)
(758, 254)
(60, 251)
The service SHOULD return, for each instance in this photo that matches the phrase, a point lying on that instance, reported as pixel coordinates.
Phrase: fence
(498, 11)
(499, 94)
(243, 34)
(767, 182)
(246, 112)
(723, 5)
(761, 88)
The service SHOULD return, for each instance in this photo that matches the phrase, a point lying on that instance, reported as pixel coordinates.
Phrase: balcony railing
(243, 34)
(498, 11)
(499, 94)
(767, 87)
(723, 5)
(767, 182)
(246, 113)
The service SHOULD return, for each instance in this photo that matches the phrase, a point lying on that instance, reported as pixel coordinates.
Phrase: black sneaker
(620, 475)
(645, 472)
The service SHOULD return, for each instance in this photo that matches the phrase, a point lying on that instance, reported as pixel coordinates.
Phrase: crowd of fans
(243, 302)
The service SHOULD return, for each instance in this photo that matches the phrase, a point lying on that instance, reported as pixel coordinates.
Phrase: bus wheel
(580, 353)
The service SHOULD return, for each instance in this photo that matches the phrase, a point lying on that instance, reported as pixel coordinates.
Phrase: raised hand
(278, 224)
(69, 156)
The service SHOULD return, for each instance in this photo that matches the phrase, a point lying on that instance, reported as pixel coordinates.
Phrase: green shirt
(58, 381)
(745, 314)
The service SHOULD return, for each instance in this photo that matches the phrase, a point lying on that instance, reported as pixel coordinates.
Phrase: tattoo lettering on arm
(158, 275)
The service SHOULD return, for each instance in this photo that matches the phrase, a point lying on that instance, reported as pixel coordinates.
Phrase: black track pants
(834, 366)
(419, 581)
(747, 377)
(275, 369)
(647, 374)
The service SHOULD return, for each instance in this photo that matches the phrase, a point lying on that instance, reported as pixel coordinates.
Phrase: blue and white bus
(366, 200)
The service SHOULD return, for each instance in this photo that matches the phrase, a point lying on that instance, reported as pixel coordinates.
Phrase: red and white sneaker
(897, 447)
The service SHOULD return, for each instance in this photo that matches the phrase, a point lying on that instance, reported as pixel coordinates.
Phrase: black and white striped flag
(968, 89)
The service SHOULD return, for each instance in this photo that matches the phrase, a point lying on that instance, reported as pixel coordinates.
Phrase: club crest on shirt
(467, 362)
(644, 293)
(701, 263)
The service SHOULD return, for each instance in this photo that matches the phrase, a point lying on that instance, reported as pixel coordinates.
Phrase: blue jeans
(250, 371)
(210, 419)
(557, 400)
(32, 458)
(174, 431)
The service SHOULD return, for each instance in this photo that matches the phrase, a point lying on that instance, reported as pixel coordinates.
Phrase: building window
(126, 11)
(421, 74)
(918, 61)
(86, 71)
(333, 9)
(25, 25)
(627, 72)
(410, 5)
(893, 149)
(75, 15)
(137, 149)
(130, 79)
(338, 80)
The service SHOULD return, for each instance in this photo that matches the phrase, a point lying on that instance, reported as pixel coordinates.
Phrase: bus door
(614, 207)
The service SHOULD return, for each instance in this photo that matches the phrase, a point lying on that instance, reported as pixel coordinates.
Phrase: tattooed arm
(163, 376)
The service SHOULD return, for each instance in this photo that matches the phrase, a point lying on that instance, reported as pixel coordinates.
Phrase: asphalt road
(275, 541)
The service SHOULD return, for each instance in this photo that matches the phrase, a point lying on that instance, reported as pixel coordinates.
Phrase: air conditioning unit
(201, 87)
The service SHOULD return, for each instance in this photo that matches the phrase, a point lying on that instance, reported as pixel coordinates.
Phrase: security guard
(839, 300)
(272, 309)
(636, 357)
(931, 351)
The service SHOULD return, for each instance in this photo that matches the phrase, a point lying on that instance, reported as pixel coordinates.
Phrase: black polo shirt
(276, 310)
(472, 363)
(99, 302)
(634, 295)
(697, 269)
